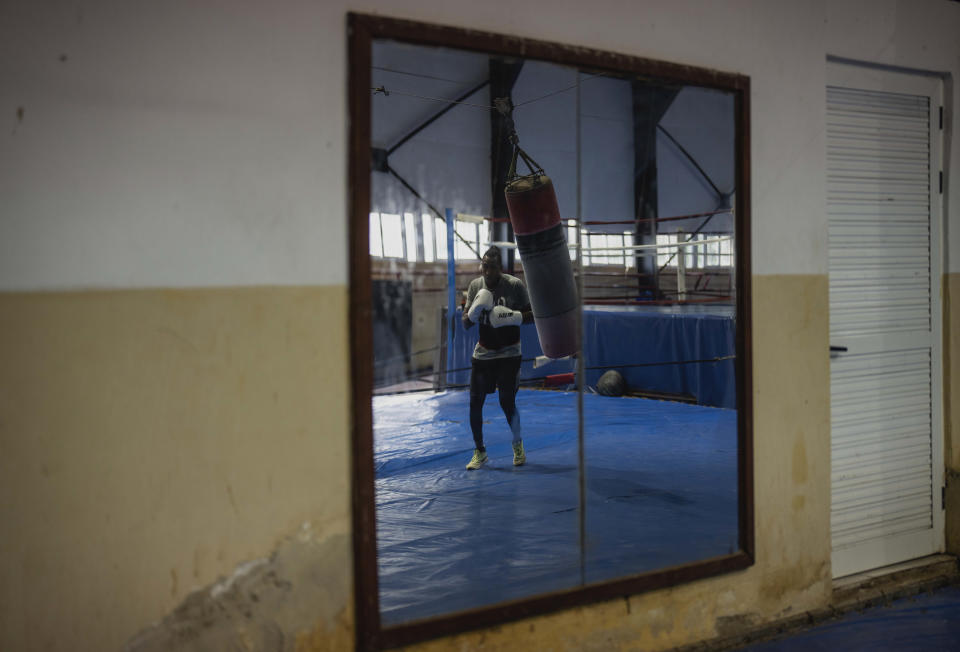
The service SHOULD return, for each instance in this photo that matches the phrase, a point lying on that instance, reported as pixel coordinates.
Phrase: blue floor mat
(928, 622)
(661, 489)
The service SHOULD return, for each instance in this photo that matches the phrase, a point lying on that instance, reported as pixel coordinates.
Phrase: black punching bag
(532, 205)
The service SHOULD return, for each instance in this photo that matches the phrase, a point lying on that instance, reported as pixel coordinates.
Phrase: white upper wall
(190, 144)
(922, 35)
(178, 144)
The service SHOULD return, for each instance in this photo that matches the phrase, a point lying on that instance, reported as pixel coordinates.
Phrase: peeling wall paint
(291, 601)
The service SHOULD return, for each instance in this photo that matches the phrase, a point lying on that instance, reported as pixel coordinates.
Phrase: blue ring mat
(661, 490)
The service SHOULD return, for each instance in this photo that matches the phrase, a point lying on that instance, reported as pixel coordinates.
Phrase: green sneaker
(479, 459)
(519, 457)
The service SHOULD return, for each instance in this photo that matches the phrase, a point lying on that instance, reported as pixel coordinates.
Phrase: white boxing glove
(503, 316)
(482, 303)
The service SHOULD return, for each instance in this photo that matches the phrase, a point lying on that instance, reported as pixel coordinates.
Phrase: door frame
(873, 77)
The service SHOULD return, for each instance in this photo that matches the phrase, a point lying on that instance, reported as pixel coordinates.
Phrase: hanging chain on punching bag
(505, 107)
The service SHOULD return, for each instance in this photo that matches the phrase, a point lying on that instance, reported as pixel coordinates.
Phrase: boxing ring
(683, 351)
(661, 490)
(660, 484)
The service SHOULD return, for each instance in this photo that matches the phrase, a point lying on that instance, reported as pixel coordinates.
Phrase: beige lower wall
(152, 440)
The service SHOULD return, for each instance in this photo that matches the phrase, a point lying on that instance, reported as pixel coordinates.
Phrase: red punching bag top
(532, 204)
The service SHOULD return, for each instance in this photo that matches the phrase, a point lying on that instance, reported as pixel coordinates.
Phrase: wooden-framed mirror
(635, 470)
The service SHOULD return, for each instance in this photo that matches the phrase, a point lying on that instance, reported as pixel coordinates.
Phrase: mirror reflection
(552, 255)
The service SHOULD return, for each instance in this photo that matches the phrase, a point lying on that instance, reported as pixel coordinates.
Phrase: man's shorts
(488, 375)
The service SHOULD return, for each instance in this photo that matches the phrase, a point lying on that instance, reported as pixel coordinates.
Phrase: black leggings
(486, 377)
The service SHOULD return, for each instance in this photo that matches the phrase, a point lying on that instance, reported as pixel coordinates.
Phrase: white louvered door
(883, 199)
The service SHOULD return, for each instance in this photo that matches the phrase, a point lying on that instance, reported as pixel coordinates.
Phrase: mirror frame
(363, 29)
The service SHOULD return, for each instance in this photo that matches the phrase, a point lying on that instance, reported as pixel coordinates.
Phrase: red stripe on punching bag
(532, 204)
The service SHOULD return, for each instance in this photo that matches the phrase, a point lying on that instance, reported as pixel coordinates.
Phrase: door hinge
(941, 182)
(941, 118)
(943, 497)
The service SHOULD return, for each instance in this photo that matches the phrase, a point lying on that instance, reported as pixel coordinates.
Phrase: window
(716, 250)
(410, 238)
(392, 230)
(469, 232)
(376, 237)
(393, 237)
(607, 248)
(666, 255)
(440, 229)
(572, 238)
(427, 228)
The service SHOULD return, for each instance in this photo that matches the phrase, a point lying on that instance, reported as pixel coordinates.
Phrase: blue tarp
(661, 482)
(621, 336)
